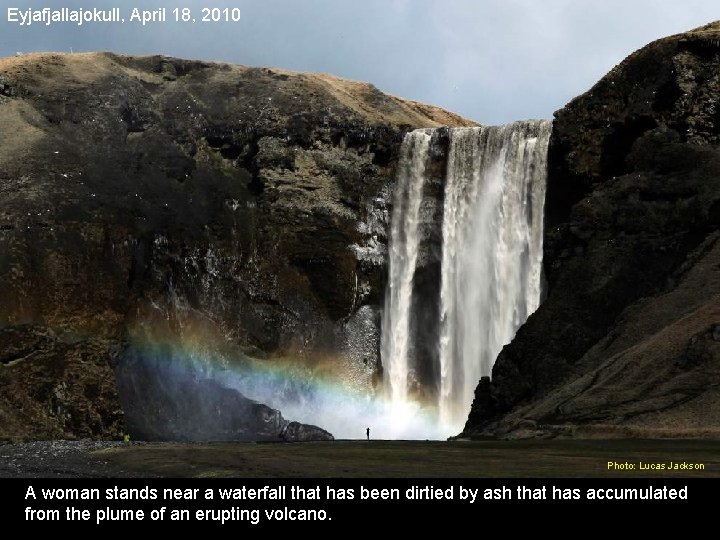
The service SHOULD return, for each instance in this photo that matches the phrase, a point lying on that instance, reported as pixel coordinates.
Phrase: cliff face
(628, 338)
(197, 208)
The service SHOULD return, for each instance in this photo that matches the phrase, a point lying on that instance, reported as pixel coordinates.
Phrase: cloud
(491, 60)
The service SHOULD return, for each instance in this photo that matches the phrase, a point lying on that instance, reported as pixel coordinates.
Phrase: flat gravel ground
(62, 459)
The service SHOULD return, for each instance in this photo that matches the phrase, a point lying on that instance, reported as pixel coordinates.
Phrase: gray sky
(491, 60)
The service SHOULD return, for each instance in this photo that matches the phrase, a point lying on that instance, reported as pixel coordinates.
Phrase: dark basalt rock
(297, 432)
(56, 385)
(631, 259)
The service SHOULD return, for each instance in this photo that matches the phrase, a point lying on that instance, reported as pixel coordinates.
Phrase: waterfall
(491, 256)
(492, 251)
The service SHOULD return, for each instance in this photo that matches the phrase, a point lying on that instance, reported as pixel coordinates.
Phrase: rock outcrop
(228, 209)
(164, 399)
(627, 340)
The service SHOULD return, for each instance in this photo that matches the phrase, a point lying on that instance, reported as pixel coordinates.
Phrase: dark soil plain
(559, 458)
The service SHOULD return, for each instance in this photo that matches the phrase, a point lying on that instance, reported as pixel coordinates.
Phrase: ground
(359, 459)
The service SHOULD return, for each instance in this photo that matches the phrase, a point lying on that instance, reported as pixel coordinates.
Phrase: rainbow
(324, 392)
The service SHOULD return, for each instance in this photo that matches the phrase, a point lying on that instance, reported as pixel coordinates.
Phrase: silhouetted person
(367, 432)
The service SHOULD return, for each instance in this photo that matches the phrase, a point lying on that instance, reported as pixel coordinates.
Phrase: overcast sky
(491, 60)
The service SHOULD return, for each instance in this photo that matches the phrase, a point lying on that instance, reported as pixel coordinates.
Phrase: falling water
(492, 251)
(403, 251)
(492, 234)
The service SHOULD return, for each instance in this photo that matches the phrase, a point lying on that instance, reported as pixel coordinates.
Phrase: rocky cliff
(628, 339)
(188, 209)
